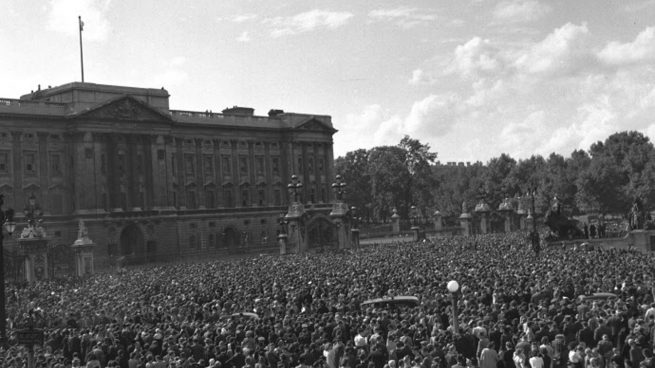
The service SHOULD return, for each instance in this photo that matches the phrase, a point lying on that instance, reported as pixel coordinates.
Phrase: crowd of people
(515, 309)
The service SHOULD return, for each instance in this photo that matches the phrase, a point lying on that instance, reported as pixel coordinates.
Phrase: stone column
(483, 210)
(355, 238)
(395, 222)
(438, 220)
(31, 249)
(484, 223)
(282, 243)
(465, 223)
(83, 249)
(339, 211)
(296, 242)
(529, 221)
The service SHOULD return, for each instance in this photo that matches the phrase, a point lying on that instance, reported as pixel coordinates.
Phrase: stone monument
(83, 250)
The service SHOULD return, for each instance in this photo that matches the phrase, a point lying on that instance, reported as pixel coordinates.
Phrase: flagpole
(81, 26)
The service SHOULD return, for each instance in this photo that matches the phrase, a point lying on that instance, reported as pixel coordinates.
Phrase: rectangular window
(277, 197)
(261, 196)
(189, 167)
(191, 199)
(105, 202)
(321, 165)
(29, 162)
(275, 166)
(4, 162)
(243, 166)
(259, 165)
(227, 165)
(310, 165)
(208, 166)
(300, 166)
(228, 201)
(209, 199)
(173, 165)
(245, 200)
(55, 164)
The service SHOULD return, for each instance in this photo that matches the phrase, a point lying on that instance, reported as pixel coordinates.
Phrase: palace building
(155, 184)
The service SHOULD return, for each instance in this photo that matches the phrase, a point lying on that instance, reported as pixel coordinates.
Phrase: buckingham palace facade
(152, 183)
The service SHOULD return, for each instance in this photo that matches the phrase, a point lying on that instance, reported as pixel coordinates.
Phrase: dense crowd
(515, 309)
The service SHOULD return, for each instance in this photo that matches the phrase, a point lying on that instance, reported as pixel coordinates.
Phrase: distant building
(152, 183)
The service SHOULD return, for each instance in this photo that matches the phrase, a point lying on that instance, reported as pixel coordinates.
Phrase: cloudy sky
(472, 78)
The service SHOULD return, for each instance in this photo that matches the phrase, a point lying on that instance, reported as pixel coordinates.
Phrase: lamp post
(295, 187)
(354, 230)
(339, 214)
(295, 217)
(414, 220)
(453, 288)
(7, 219)
(339, 187)
(534, 235)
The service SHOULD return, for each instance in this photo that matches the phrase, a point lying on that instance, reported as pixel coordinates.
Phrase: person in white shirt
(536, 361)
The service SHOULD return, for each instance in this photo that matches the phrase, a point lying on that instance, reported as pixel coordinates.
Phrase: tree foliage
(605, 179)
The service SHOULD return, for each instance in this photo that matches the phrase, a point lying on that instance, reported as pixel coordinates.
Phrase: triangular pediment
(125, 108)
(314, 124)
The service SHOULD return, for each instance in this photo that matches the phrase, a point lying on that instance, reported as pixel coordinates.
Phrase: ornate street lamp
(534, 235)
(7, 220)
(453, 288)
(354, 230)
(339, 187)
(295, 188)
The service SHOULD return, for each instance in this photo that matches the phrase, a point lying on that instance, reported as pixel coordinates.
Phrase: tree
(617, 173)
(557, 183)
(390, 180)
(419, 160)
(496, 183)
(354, 171)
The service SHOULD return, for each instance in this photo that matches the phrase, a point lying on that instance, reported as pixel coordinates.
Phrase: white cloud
(244, 17)
(475, 58)
(533, 134)
(307, 21)
(403, 16)
(640, 50)
(520, 11)
(371, 127)
(549, 95)
(420, 76)
(432, 116)
(561, 50)
(63, 17)
(648, 101)
(244, 37)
